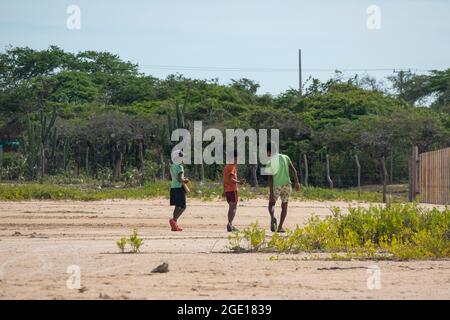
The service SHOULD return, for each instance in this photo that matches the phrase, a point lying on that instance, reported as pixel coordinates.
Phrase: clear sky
(250, 35)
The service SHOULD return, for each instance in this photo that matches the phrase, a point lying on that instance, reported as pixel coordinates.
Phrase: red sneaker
(179, 228)
(173, 225)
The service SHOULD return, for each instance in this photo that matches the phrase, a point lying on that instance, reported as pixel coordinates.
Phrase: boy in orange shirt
(230, 184)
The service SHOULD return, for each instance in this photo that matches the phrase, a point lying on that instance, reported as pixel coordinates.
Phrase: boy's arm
(232, 178)
(181, 178)
(293, 173)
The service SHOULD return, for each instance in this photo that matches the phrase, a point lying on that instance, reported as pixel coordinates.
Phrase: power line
(264, 69)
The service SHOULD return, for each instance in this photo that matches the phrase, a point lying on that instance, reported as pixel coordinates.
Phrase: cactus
(39, 137)
(180, 116)
(169, 123)
(179, 122)
(65, 147)
(53, 142)
(31, 148)
(186, 99)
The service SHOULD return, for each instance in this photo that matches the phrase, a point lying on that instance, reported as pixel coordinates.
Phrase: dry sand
(39, 240)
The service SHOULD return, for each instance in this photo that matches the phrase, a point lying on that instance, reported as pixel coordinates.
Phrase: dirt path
(39, 240)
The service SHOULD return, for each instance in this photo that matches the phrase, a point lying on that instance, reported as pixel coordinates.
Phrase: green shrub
(121, 244)
(135, 242)
(67, 186)
(254, 237)
(400, 232)
(235, 241)
(14, 166)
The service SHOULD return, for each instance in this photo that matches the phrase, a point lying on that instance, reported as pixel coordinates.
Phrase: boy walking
(230, 184)
(177, 190)
(281, 168)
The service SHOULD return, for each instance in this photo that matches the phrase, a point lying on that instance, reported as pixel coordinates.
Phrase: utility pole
(300, 72)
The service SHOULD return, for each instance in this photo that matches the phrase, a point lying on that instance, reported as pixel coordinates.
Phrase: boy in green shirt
(177, 190)
(280, 168)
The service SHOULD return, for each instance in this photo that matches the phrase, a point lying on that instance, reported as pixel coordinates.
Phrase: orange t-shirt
(229, 169)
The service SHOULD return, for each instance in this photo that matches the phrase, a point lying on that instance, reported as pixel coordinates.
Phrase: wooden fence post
(65, 146)
(385, 179)
(413, 174)
(254, 168)
(391, 168)
(306, 169)
(202, 173)
(163, 167)
(300, 171)
(141, 156)
(87, 161)
(417, 172)
(359, 175)
(1, 160)
(328, 172)
(42, 156)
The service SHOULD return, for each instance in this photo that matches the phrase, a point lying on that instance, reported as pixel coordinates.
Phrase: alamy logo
(74, 280)
(192, 151)
(73, 22)
(374, 17)
(374, 279)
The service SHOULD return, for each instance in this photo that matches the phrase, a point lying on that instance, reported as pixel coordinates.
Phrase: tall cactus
(179, 122)
(180, 116)
(32, 147)
(53, 142)
(169, 123)
(39, 136)
(186, 99)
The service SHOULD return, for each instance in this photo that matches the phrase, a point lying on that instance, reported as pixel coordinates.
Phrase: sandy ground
(40, 240)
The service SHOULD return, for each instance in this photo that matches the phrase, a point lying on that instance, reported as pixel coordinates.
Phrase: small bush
(400, 232)
(235, 241)
(134, 241)
(14, 166)
(121, 244)
(254, 236)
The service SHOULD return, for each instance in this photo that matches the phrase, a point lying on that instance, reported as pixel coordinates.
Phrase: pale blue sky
(241, 33)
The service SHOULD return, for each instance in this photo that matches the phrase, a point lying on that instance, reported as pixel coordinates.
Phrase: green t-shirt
(278, 165)
(175, 169)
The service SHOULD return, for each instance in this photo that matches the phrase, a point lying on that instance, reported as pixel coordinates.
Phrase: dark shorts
(232, 196)
(178, 197)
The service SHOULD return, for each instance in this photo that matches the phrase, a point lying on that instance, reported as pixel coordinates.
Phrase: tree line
(93, 114)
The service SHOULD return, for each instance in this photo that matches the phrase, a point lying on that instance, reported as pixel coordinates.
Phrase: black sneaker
(281, 230)
(273, 224)
(232, 228)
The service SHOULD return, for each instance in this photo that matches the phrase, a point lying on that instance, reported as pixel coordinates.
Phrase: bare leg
(231, 212)
(272, 209)
(284, 207)
(273, 220)
(177, 212)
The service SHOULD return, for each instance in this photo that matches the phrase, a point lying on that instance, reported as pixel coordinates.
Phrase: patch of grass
(28, 191)
(315, 193)
(134, 241)
(91, 190)
(121, 244)
(254, 237)
(399, 232)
